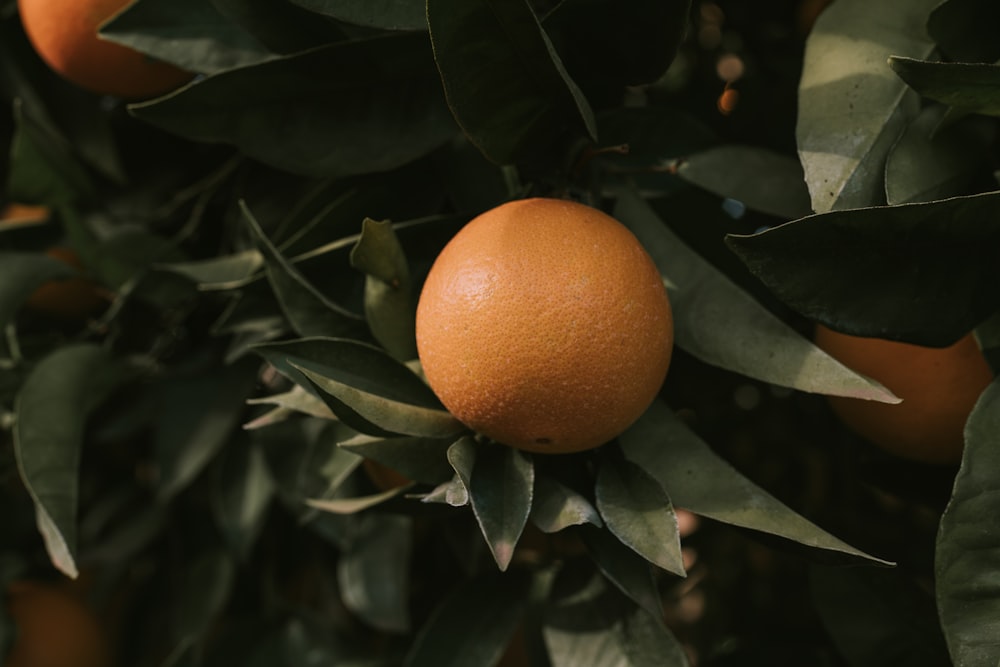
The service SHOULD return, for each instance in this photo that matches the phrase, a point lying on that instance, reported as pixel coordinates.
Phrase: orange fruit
(54, 629)
(15, 212)
(64, 33)
(939, 387)
(74, 299)
(545, 325)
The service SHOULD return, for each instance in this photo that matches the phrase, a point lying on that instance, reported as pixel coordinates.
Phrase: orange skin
(545, 325)
(64, 33)
(14, 212)
(54, 629)
(939, 387)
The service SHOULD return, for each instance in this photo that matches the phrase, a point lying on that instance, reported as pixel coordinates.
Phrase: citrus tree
(706, 293)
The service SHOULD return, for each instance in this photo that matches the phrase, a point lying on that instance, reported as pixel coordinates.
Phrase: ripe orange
(72, 300)
(54, 629)
(15, 212)
(545, 325)
(939, 387)
(64, 33)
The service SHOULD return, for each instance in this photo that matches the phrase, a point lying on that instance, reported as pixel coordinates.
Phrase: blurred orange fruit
(382, 476)
(15, 212)
(939, 387)
(64, 33)
(54, 629)
(72, 300)
(545, 325)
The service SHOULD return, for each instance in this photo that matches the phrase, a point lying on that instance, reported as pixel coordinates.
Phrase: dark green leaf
(847, 91)
(389, 306)
(638, 511)
(204, 589)
(280, 26)
(51, 412)
(243, 491)
(722, 325)
(382, 14)
(20, 275)
(763, 180)
(373, 572)
(973, 87)
(191, 34)
(197, 417)
(968, 592)
(309, 311)
(423, 460)
(626, 569)
(927, 271)
(219, 272)
(499, 481)
(505, 84)
(556, 506)
(459, 634)
(877, 617)
(699, 480)
(348, 108)
(965, 30)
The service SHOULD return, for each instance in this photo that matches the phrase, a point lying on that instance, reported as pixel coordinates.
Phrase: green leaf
(309, 311)
(381, 14)
(968, 591)
(971, 87)
(242, 492)
(699, 480)
(205, 587)
(499, 481)
(503, 79)
(594, 625)
(356, 504)
(389, 306)
(762, 179)
(638, 511)
(20, 275)
(877, 617)
(631, 573)
(964, 30)
(719, 323)
(218, 273)
(376, 415)
(423, 460)
(198, 416)
(459, 634)
(348, 108)
(555, 506)
(51, 411)
(851, 107)
(927, 271)
(931, 161)
(297, 399)
(373, 572)
(192, 34)
(280, 26)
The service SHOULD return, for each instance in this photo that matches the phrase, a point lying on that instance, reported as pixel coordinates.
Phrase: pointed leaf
(356, 504)
(371, 413)
(459, 634)
(968, 591)
(631, 573)
(373, 572)
(972, 87)
(719, 323)
(503, 79)
(763, 180)
(51, 412)
(556, 506)
(381, 14)
(927, 271)
(348, 108)
(702, 482)
(851, 107)
(499, 480)
(243, 491)
(191, 34)
(423, 460)
(295, 400)
(20, 275)
(219, 272)
(310, 312)
(389, 306)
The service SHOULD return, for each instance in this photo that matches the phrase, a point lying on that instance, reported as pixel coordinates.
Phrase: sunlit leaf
(504, 81)
(373, 572)
(51, 411)
(699, 480)
(968, 592)
(851, 106)
(927, 271)
(719, 323)
(972, 87)
(459, 634)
